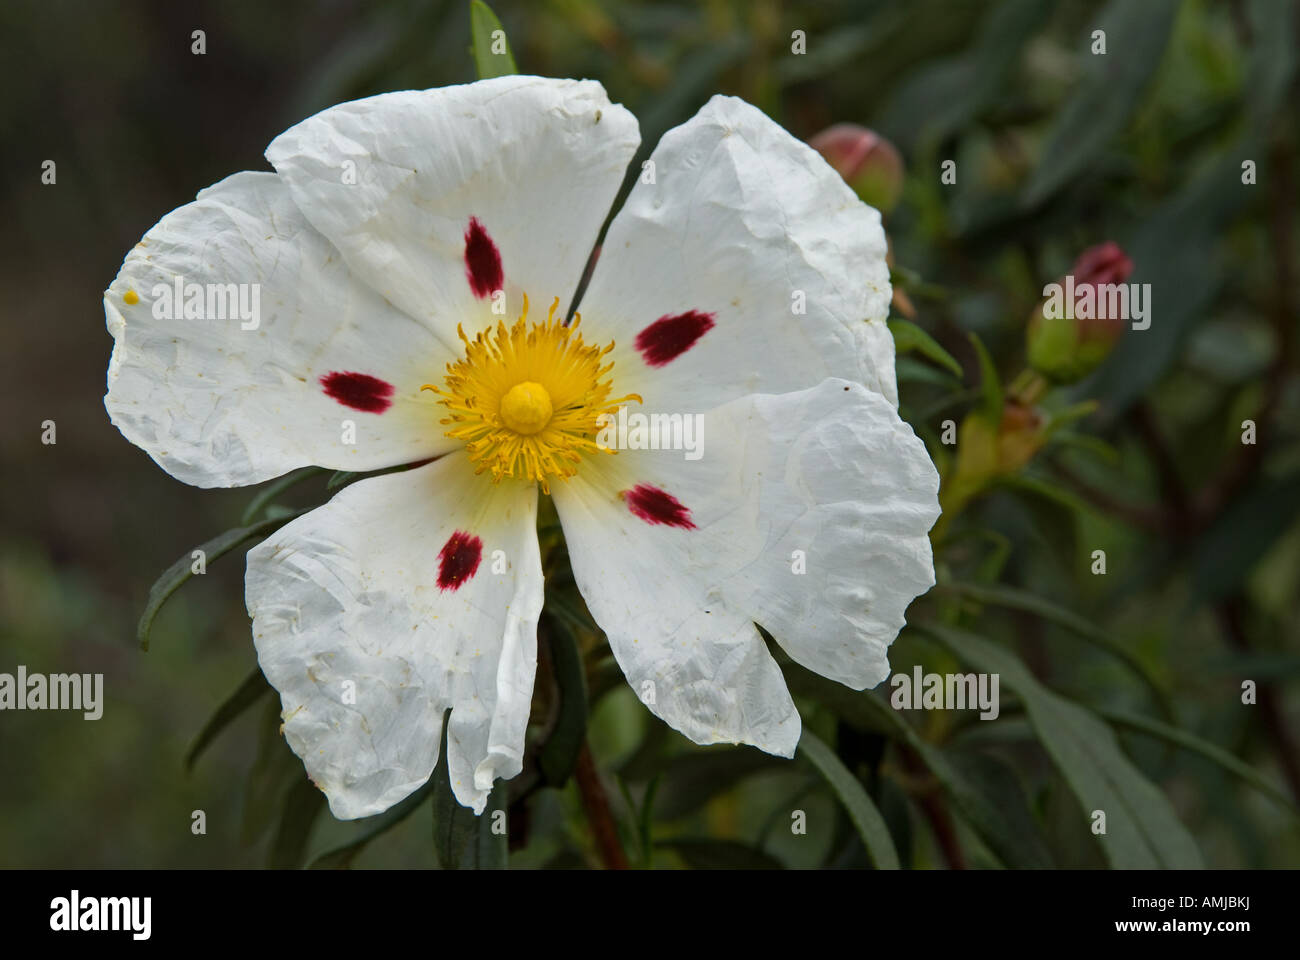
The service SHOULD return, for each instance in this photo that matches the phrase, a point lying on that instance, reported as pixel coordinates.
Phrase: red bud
(868, 162)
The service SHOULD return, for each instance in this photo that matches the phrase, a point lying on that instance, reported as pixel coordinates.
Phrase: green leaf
(909, 370)
(461, 840)
(1241, 535)
(248, 693)
(708, 854)
(1176, 248)
(960, 397)
(1273, 62)
(693, 779)
(1211, 752)
(1005, 838)
(646, 828)
(341, 478)
(1111, 89)
(849, 705)
(273, 773)
(483, 24)
(1270, 666)
(344, 478)
(995, 824)
(862, 811)
(836, 49)
(342, 857)
(1017, 599)
(274, 489)
(182, 570)
(944, 96)
(301, 808)
(990, 407)
(908, 337)
(559, 754)
(603, 677)
(999, 785)
(1143, 831)
(1052, 513)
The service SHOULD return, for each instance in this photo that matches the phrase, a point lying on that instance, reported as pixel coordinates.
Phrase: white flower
(391, 225)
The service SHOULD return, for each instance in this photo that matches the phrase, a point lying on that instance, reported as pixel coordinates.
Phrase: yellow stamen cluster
(526, 401)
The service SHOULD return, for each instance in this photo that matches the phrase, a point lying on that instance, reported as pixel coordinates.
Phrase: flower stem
(596, 804)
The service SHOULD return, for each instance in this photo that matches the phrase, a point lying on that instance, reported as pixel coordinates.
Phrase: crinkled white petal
(810, 511)
(696, 664)
(393, 180)
(235, 397)
(368, 651)
(747, 224)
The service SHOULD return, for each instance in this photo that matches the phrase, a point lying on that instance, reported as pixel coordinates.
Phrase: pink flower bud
(868, 162)
(1073, 330)
(1104, 263)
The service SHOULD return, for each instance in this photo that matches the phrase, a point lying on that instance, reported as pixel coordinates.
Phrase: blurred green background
(1057, 150)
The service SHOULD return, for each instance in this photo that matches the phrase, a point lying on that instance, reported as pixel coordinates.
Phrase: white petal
(218, 405)
(748, 225)
(831, 472)
(536, 161)
(348, 599)
(696, 664)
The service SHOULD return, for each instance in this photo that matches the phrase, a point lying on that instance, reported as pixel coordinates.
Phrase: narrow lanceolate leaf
(461, 840)
(862, 811)
(248, 693)
(1142, 829)
(266, 497)
(1012, 845)
(1110, 92)
(994, 824)
(183, 570)
(560, 752)
(343, 478)
(1016, 599)
(492, 55)
(908, 337)
(342, 857)
(274, 773)
(302, 806)
(1211, 752)
(990, 406)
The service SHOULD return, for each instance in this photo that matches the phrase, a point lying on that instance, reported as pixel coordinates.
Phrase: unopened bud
(868, 162)
(1074, 329)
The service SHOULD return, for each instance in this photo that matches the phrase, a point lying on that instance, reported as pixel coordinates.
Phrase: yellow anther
(527, 401)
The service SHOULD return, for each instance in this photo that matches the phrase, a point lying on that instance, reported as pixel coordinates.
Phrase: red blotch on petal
(458, 560)
(360, 391)
(482, 261)
(670, 336)
(657, 506)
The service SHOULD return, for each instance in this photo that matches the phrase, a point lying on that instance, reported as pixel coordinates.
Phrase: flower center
(527, 400)
(526, 408)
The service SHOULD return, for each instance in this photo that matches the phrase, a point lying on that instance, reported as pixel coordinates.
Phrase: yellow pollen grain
(527, 401)
(131, 298)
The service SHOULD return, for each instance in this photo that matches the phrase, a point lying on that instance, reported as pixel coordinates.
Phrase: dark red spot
(482, 261)
(658, 506)
(671, 336)
(458, 560)
(360, 391)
